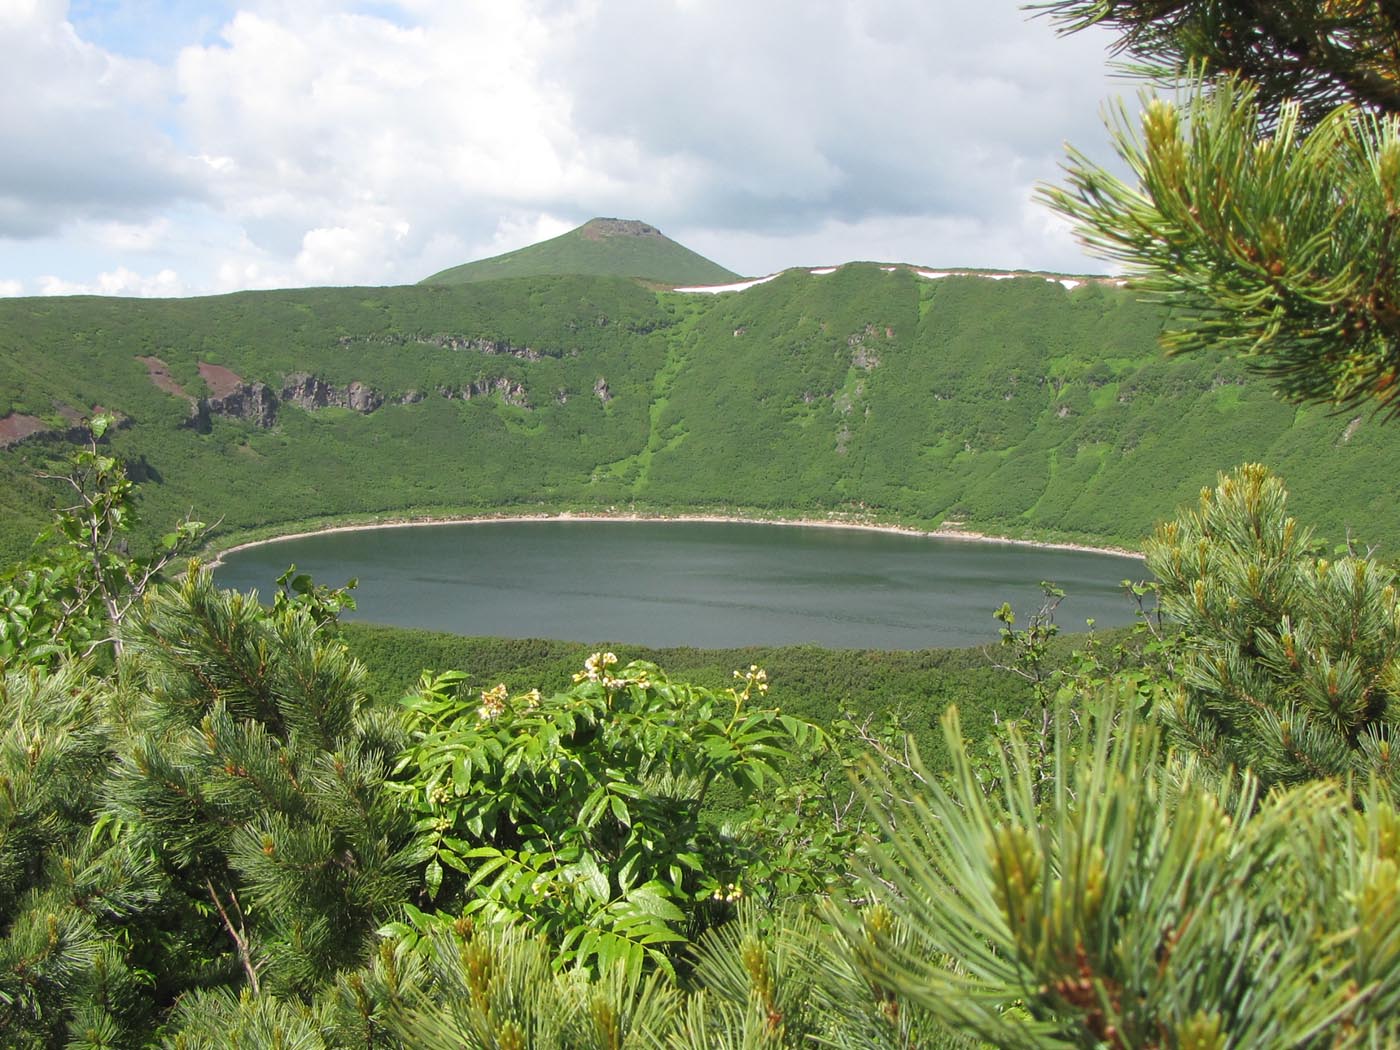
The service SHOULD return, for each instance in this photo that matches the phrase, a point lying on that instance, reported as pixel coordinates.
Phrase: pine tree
(1266, 208)
(1149, 906)
(1289, 662)
(74, 899)
(1320, 55)
(251, 765)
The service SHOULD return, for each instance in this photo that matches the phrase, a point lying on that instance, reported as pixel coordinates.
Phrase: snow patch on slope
(1068, 283)
(737, 286)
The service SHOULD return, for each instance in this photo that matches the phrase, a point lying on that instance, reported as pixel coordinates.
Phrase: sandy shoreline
(945, 533)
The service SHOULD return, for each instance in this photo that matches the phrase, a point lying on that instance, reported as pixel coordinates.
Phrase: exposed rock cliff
(309, 392)
(251, 402)
(490, 347)
(256, 403)
(511, 391)
(460, 343)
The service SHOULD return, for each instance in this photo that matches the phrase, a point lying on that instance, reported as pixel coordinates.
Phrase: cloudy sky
(176, 147)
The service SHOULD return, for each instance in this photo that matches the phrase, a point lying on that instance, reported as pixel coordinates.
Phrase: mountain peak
(597, 229)
(601, 247)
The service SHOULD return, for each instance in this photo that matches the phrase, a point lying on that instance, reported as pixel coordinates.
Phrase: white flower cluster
(595, 668)
(493, 703)
(729, 894)
(754, 678)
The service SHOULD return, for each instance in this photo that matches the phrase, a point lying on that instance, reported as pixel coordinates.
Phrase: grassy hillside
(1017, 406)
(598, 248)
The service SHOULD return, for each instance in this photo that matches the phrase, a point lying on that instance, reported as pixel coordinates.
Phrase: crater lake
(703, 584)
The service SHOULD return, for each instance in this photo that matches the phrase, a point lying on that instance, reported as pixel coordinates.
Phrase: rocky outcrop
(862, 355)
(490, 347)
(601, 391)
(460, 343)
(864, 358)
(511, 391)
(229, 397)
(251, 402)
(310, 392)
(256, 403)
(360, 398)
(307, 391)
(605, 226)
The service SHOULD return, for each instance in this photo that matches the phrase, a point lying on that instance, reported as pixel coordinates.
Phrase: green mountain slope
(598, 248)
(1016, 406)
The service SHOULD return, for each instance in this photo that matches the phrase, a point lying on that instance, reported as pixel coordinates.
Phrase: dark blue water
(710, 585)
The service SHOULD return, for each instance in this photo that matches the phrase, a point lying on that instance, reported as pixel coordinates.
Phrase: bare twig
(239, 934)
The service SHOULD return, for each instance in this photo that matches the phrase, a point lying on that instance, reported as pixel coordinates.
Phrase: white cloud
(1027, 240)
(514, 232)
(342, 254)
(133, 237)
(329, 141)
(447, 123)
(80, 127)
(120, 281)
(235, 274)
(786, 121)
(9, 289)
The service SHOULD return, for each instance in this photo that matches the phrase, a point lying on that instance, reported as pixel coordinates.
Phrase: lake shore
(943, 533)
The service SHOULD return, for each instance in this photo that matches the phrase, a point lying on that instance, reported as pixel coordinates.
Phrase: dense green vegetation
(1015, 406)
(599, 248)
(220, 828)
(262, 808)
(821, 685)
